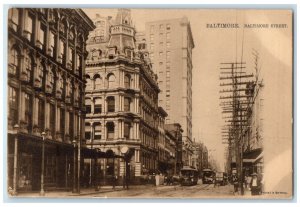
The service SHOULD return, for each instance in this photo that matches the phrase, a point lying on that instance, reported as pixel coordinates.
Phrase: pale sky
(212, 46)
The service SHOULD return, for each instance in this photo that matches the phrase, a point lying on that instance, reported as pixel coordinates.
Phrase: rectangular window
(87, 131)
(168, 74)
(161, 36)
(167, 93)
(70, 57)
(167, 83)
(98, 109)
(161, 26)
(110, 104)
(151, 38)
(110, 130)
(52, 119)
(87, 135)
(28, 111)
(168, 55)
(151, 46)
(168, 65)
(168, 35)
(61, 55)
(152, 28)
(168, 27)
(12, 104)
(78, 60)
(41, 37)
(13, 15)
(127, 104)
(126, 130)
(62, 121)
(71, 124)
(41, 113)
(88, 109)
(161, 54)
(168, 45)
(51, 43)
(28, 27)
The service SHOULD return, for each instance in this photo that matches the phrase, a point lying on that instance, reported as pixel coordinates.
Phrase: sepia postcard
(149, 103)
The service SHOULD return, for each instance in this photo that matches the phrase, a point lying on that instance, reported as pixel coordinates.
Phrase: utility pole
(235, 101)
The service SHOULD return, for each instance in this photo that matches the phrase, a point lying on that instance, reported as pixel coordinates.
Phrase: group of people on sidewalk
(254, 183)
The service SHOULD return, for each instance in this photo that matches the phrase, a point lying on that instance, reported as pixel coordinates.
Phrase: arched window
(27, 67)
(111, 80)
(98, 81)
(110, 104)
(88, 82)
(127, 104)
(110, 128)
(127, 81)
(13, 61)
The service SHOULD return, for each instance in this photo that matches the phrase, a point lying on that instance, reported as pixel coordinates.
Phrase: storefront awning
(252, 156)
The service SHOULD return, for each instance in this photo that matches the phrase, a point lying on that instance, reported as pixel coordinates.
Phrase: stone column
(122, 129)
(104, 129)
(116, 130)
(117, 105)
(92, 135)
(92, 105)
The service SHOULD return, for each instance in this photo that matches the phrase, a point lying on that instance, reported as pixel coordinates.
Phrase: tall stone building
(170, 43)
(122, 103)
(46, 61)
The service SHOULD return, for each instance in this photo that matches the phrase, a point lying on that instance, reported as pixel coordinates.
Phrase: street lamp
(16, 130)
(42, 192)
(74, 166)
(97, 171)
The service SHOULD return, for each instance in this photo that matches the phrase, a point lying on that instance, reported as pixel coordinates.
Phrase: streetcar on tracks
(188, 176)
(208, 176)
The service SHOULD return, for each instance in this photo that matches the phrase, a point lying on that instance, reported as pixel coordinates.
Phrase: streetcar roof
(188, 168)
(207, 170)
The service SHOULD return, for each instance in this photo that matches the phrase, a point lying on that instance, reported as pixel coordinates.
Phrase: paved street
(149, 191)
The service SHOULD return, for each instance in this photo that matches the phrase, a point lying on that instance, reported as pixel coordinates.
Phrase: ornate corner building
(121, 100)
(46, 84)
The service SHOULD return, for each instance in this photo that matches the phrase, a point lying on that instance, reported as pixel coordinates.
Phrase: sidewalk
(60, 194)
(83, 191)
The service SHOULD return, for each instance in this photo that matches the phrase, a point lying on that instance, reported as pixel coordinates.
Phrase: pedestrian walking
(255, 185)
(235, 184)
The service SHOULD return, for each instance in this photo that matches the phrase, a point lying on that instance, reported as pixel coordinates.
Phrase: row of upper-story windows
(39, 114)
(35, 71)
(96, 105)
(148, 139)
(95, 132)
(97, 82)
(161, 27)
(35, 31)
